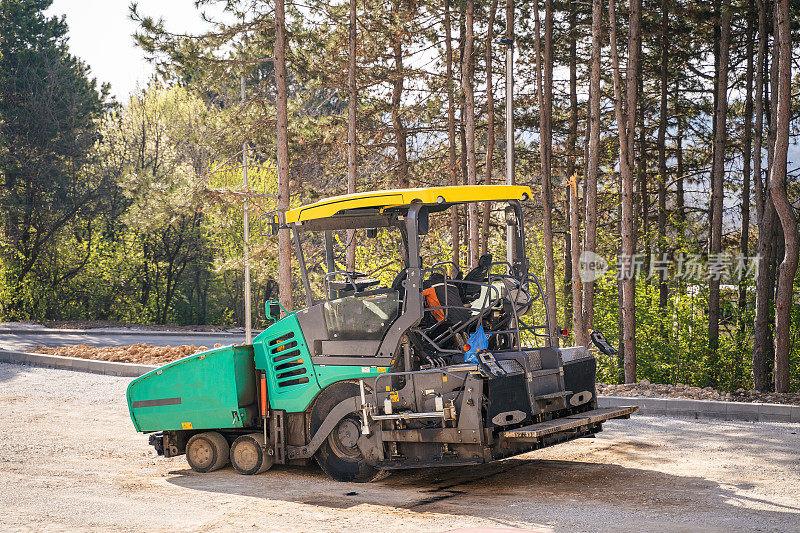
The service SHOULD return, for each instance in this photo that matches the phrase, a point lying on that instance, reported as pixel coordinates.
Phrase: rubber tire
(209, 442)
(248, 456)
(340, 466)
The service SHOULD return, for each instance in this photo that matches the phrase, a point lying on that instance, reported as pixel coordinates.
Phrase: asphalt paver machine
(437, 368)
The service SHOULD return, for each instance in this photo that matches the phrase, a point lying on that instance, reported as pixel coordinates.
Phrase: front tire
(339, 455)
(206, 452)
(249, 455)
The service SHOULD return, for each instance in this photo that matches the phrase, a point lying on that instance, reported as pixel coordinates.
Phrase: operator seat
(439, 293)
(479, 274)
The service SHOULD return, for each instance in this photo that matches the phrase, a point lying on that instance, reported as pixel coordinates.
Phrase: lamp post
(248, 327)
(248, 318)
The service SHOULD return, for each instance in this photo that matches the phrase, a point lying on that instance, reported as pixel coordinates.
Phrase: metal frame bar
(412, 303)
(330, 263)
(340, 410)
(302, 263)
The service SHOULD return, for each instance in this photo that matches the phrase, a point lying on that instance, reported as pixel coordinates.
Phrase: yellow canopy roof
(399, 197)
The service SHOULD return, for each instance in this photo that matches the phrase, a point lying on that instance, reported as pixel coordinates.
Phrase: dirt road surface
(27, 341)
(70, 460)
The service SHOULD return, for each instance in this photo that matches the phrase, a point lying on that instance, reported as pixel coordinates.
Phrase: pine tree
(49, 111)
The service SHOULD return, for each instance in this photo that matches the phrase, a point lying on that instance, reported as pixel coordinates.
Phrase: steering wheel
(352, 281)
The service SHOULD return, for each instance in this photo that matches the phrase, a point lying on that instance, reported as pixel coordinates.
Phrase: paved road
(25, 341)
(69, 459)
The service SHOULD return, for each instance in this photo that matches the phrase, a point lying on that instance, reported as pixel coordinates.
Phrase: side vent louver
(286, 361)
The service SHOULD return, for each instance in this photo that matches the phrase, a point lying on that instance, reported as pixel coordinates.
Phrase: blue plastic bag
(477, 341)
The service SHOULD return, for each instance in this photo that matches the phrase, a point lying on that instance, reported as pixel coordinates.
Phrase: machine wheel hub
(246, 455)
(202, 454)
(344, 439)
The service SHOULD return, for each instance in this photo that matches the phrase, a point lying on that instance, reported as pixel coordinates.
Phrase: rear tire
(339, 455)
(249, 456)
(206, 452)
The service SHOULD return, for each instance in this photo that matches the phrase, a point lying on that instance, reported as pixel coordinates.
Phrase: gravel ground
(28, 341)
(147, 354)
(645, 389)
(70, 460)
(109, 324)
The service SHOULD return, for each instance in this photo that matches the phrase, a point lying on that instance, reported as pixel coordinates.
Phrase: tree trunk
(282, 131)
(510, 173)
(662, 153)
(765, 285)
(772, 109)
(462, 134)
(758, 129)
(747, 154)
(620, 315)
(451, 131)
(765, 214)
(626, 126)
(467, 75)
(487, 180)
(777, 185)
(572, 245)
(568, 287)
(716, 10)
(400, 131)
(641, 171)
(717, 183)
(593, 159)
(680, 202)
(577, 315)
(351, 129)
(545, 97)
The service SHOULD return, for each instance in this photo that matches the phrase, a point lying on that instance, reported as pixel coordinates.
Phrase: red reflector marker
(263, 396)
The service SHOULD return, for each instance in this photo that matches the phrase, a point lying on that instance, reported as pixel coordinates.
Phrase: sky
(100, 33)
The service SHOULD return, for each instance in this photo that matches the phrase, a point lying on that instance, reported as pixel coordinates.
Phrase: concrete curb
(707, 409)
(673, 407)
(75, 363)
(8, 331)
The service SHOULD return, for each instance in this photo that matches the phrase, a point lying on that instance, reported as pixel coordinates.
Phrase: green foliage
(135, 215)
(49, 109)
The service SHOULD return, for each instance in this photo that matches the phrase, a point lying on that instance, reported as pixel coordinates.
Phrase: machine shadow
(9, 371)
(481, 491)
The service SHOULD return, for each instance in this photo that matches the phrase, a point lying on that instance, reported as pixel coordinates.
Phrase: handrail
(513, 286)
